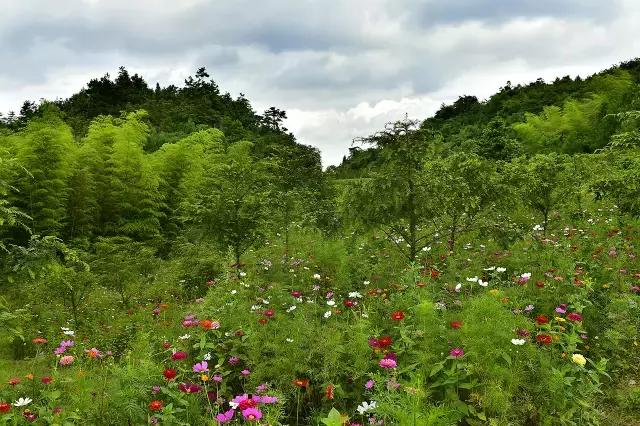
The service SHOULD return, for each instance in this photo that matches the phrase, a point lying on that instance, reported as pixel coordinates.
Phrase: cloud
(341, 69)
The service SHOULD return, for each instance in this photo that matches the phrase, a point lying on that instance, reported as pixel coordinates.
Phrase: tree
(395, 197)
(464, 187)
(543, 181)
(228, 199)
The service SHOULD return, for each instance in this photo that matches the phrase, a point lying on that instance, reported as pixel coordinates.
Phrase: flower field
(546, 332)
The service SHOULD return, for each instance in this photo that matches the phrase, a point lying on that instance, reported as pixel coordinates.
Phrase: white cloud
(340, 69)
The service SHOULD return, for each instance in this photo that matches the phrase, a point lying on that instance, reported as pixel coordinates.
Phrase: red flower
(263, 321)
(543, 339)
(169, 373)
(39, 341)
(301, 383)
(574, 316)
(180, 355)
(397, 316)
(456, 324)
(14, 381)
(189, 388)
(5, 407)
(541, 319)
(46, 380)
(348, 303)
(246, 403)
(385, 341)
(155, 405)
(329, 391)
(296, 294)
(435, 273)
(539, 283)
(166, 345)
(206, 324)
(269, 313)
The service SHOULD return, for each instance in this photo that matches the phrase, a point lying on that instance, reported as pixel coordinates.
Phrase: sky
(340, 69)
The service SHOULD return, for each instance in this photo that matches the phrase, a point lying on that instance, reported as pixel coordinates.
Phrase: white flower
(483, 283)
(233, 405)
(501, 269)
(289, 340)
(234, 291)
(526, 275)
(316, 276)
(538, 227)
(367, 282)
(355, 295)
(69, 332)
(491, 268)
(440, 306)
(518, 342)
(185, 337)
(458, 287)
(327, 314)
(472, 280)
(207, 356)
(243, 274)
(21, 402)
(254, 307)
(292, 308)
(331, 302)
(265, 302)
(365, 406)
(428, 248)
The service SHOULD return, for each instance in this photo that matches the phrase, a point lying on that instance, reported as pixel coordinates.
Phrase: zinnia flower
(543, 339)
(579, 359)
(541, 319)
(179, 355)
(397, 316)
(301, 383)
(155, 405)
(574, 316)
(456, 352)
(66, 360)
(388, 363)
(5, 407)
(39, 341)
(456, 324)
(169, 373)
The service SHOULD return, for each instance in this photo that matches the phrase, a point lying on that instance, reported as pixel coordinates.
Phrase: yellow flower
(579, 359)
(204, 378)
(560, 319)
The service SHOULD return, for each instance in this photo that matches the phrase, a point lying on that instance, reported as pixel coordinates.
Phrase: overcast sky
(339, 68)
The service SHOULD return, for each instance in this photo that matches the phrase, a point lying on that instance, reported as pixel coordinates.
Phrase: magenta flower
(370, 384)
(180, 355)
(201, 367)
(252, 414)
(456, 352)
(574, 316)
(388, 363)
(225, 417)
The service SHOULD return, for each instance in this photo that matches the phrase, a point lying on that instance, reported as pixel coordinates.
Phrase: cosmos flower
(22, 402)
(456, 352)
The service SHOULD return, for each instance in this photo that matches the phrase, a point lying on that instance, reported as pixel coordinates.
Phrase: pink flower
(456, 352)
(234, 360)
(217, 378)
(370, 384)
(201, 367)
(252, 414)
(388, 363)
(562, 309)
(245, 372)
(574, 316)
(266, 399)
(66, 360)
(225, 417)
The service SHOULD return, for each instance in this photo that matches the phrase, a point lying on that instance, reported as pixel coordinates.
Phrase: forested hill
(568, 115)
(172, 112)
